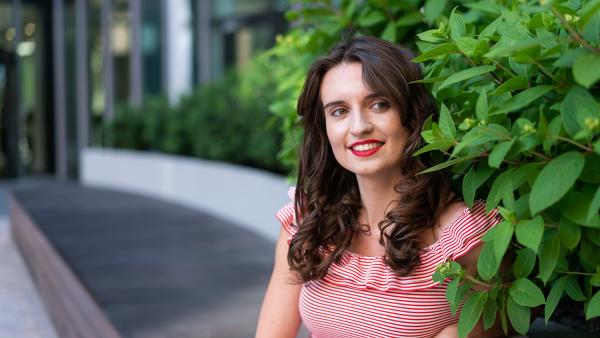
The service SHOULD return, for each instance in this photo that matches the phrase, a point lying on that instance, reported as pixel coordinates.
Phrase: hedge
(517, 86)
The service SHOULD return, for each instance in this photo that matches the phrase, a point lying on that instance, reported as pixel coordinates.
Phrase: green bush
(517, 84)
(519, 126)
(227, 120)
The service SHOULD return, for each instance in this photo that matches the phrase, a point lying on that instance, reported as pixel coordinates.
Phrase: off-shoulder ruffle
(370, 272)
(287, 215)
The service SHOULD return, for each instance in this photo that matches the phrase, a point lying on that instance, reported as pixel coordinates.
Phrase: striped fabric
(361, 297)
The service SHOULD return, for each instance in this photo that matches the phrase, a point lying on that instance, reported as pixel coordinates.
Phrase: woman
(363, 233)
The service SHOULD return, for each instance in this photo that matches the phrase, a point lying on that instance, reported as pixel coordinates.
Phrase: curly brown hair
(327, 200)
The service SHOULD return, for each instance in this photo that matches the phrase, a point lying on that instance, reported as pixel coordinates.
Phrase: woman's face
(363, 127)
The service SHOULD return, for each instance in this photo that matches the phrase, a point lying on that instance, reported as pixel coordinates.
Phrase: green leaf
(451, 290)
(473, 180)
(595, 280)
(443, 144)
(525, 292)
(593, 307)
(514, 83)
(389, 33)
(548, 257)
(518, 315)
(499, 153)
(574, 290)
(588, 11)
(503, 321)
(569, 233)
(575, 206)
(466, 74)
(522, 99)
(490, 29)
(592, 235)
(480, 48)
(568, 58)
(374, 17)
(433, 9)
(409, 19)
(481, 108)
(578, 105)
(489, 313)
(460, 294)
(457, 25)
(515, 177)
(594, 205)
(591, 31)
(481, 134)
(557, 177)
(530, 232)
(432, 35)
(554, 297)
(487, 263)
(553, 129)
(466, 45)
(590, 171)
(446, 122)
(503, 236)
(524, 263)
(447, 164)
(470, 313)
(442, 49)
(522, 46)
(586, 69)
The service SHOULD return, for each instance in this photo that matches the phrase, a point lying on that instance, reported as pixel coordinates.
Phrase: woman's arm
(279, 315)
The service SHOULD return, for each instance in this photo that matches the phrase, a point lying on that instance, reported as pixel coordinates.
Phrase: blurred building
(66, 64)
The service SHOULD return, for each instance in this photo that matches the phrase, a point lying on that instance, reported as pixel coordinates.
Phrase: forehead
(342, 82)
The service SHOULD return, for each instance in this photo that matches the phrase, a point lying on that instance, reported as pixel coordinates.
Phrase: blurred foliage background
(517, 86)
(226, 120)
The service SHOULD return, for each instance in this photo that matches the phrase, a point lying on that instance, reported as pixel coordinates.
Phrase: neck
(376, 194)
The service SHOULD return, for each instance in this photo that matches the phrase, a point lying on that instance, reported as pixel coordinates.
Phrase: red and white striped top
(362, 297)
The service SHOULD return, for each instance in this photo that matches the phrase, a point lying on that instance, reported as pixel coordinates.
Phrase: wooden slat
(73, 310)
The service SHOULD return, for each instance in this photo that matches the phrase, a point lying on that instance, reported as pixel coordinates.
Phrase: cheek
(335, 136)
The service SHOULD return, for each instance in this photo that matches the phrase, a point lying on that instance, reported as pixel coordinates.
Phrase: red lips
(366, 152)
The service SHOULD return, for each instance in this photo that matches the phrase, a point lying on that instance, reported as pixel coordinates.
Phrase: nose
(361, 124)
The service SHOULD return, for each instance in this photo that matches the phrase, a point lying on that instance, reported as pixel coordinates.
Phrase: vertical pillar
(164, 50)
(177, 48)
(107, 59)
(135, 68)
(58, 42)
(81, 63)
(203, 30)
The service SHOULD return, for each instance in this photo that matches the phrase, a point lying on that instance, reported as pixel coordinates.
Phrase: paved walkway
(22, 313)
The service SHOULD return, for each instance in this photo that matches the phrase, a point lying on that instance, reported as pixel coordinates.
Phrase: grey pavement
(22, 313)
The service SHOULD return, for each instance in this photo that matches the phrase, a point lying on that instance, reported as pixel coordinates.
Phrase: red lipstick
(368, 152)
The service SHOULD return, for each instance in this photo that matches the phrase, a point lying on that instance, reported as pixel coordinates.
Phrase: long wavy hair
(327, 200)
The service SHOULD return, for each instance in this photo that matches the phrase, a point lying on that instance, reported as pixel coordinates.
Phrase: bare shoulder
(450, 214)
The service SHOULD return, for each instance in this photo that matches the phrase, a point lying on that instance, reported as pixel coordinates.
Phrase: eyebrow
(368, 97)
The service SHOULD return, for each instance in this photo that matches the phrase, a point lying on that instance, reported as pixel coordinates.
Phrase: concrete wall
(246, 196)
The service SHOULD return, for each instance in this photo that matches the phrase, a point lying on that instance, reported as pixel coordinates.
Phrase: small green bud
(591, 123)
(442, 28)
(528, 128)
(571, 18)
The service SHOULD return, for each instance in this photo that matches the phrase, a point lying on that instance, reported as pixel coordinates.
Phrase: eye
(380, 105)
(337, 112)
